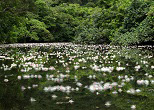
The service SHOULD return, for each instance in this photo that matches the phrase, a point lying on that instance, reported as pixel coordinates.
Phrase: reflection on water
(76, 77)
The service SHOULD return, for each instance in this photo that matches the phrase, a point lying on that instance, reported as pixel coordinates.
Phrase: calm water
(76, 77)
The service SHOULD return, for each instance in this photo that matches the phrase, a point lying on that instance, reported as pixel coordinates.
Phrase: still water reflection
(76, 77)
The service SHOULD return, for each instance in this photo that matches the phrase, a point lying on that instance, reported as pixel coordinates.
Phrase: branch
(5, 9)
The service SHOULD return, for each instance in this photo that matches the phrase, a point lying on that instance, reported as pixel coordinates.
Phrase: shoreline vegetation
(115, 22)
(99, 47)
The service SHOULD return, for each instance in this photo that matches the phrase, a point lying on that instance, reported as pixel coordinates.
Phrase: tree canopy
(81, 21)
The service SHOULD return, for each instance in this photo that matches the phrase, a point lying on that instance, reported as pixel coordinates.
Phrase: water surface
(64, 76)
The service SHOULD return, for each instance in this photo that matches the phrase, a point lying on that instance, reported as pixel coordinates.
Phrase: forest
(119, 22)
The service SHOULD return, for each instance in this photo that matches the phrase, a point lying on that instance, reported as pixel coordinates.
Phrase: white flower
(29, 87)
(61, 88)
(35, 85)
(39, 76)
(133, 107)
(45, 69)
(46, 89)
(72, 89)
(77, 89)
(61, 61)
(23, 70)
(126, 76)
(138, 90)
(108, 104)
(2, 57)
(76, 67)
(152, 81)
(131, 91)
(107, 69)
(95, 87)
(150, 76)
(127, 79)
(32, 99)
(79, 84)
(146, 82)
(51, 68)
(120, 68)
(120, 90)
(140, 82)
(6, 80)
(97, 93)
(107, 86)
(114, 92)
(92, 88)
(119, 77)
(54, 96)
(152, 67)
(114, 84)
(70, 101)
(132, 78)
(90, 77)
(23, 88)
(26, 77)
(67, 71)
(137, 67)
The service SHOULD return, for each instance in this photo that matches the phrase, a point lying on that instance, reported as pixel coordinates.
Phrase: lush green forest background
(123, 22)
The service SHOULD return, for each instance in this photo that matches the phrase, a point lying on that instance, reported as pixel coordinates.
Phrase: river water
(66, 76)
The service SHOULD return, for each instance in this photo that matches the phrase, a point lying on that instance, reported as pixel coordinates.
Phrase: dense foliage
(88, 21)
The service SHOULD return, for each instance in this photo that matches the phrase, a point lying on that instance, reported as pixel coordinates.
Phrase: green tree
(138, 24)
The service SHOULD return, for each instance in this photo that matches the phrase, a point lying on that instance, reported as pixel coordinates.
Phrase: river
(67, 76)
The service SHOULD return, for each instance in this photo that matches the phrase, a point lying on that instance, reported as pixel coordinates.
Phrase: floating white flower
(108, 104)
(29, 87)
(19, 77)
(77, 89)
(150, 76)
(79, 84)
(152, 81)
(39, 76)
(107, 86)
(95, 87)
(54, 96)
(107, 69)
(6, 80)
(120, 68)
(137, 67)
(71, 101)
(23, 88)
(138, 90)
(51, 68)
(32, 99)
(120, 90)
(114, 84)
(46, 89)
(146, 82)
(114, 92)
(90, 77)
(140, 82)
(45, 69)
(133, 107)
(35, 85)
(76, 67)
(127, 79)
(2, 57)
